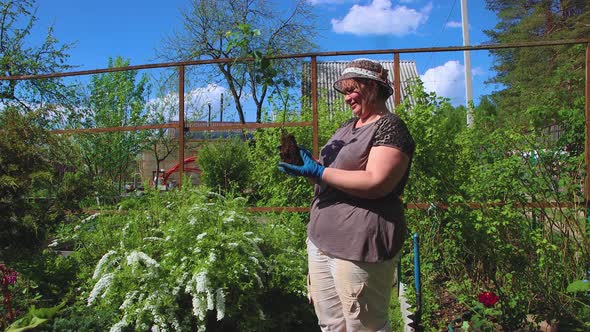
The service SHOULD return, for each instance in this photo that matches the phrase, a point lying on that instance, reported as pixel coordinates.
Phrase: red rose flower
(488, 299)
(7, 276)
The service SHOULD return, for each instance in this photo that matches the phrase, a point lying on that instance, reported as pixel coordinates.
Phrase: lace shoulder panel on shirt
(392, 131)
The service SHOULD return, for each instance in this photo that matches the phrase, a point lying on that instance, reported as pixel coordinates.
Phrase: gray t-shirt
(353, 228)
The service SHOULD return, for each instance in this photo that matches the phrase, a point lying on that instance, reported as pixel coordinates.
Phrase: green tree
(539, 81)
(23, 165)
(438, 124)
(244, 28)
(19, 56)
(116, 99)
(162, 110)
(486, 113)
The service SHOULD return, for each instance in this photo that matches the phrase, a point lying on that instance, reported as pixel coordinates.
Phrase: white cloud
(447, 81)
(327, 2)
(381, 18)
(195, 104)
(478, 71)
(453, 24)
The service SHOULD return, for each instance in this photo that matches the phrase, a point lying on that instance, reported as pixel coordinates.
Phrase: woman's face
(359, 99)
(354, 99)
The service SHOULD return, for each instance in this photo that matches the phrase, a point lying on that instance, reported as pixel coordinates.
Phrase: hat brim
(338, 87)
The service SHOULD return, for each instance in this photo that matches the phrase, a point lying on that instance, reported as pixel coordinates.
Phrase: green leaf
(465, 326)
(34, 318)
(47, 312)
(31, 323)
(579, 286)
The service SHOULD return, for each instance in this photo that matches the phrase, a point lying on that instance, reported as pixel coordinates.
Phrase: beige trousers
(350, 296)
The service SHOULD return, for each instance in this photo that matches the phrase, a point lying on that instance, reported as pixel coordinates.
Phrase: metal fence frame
(181, 126)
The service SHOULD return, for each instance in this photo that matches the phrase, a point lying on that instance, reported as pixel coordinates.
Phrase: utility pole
(221, 109)
(209, 116)
(467, 61)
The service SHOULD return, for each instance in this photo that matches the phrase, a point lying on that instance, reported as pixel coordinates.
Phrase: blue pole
(417, 278)
(588, 222)
(399, 275)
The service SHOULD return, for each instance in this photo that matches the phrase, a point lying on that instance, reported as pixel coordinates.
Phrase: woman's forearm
(362, 184)
(385, 169)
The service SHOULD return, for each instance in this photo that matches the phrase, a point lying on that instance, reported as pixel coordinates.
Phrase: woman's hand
(310, 167)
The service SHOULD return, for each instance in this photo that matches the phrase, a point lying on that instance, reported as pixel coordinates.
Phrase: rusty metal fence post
(314, 106)
(396, 80)
(180, 124)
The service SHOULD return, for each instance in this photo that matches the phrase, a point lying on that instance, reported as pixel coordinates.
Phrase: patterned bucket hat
(364, 68)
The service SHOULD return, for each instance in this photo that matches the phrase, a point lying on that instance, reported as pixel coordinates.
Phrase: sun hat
(364, 68)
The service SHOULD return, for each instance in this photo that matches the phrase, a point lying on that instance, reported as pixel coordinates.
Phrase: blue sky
(133, 29)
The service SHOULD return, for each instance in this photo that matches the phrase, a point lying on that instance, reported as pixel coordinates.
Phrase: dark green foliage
(39, 181)
(33, 196)
(537, 82)
(23, 168)
(79, 317)
(74, 189)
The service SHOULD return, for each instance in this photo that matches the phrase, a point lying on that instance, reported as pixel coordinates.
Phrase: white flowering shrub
(189, 260)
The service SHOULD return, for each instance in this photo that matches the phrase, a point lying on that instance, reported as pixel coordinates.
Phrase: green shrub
(526, 255)
(190, 260)
(225, 165)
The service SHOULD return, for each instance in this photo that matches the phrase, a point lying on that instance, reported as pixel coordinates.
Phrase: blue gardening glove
(310, 167)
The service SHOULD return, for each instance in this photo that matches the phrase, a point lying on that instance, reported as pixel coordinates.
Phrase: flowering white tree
(200, 254)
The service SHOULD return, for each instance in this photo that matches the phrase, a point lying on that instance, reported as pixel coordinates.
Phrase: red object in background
(162, 177)
(174, 168)
(488, 299)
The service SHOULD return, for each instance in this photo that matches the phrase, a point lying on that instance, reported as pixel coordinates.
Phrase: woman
(357, 223)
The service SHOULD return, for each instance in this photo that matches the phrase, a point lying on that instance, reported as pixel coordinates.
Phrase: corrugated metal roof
(329, 71)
